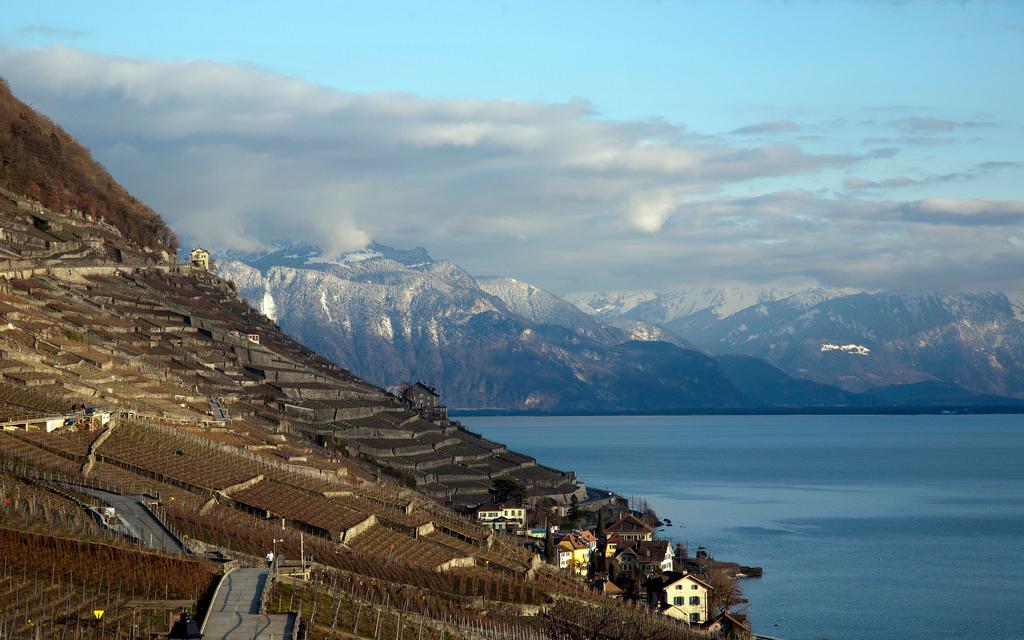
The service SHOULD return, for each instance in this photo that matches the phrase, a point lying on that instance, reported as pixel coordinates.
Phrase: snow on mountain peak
(359, 255)
(536, 304)
(609, 304)
(1017, 304)
(665, 306)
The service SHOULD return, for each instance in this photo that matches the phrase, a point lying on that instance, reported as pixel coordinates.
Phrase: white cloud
(242, 157)
(649, 211)
(762, 128)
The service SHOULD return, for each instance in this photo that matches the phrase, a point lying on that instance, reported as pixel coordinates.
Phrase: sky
(582, 146)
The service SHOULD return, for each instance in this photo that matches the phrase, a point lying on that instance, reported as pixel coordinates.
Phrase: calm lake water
(867, 526)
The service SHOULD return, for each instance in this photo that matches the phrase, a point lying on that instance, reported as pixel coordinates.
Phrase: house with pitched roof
(728, 625)
(424, 400)
(629, 527)
(504, 515)
(611, 545)
(608, 588)
(200, 258)
(650, 556)
(589, 537)
(683, 596)
(574, 554)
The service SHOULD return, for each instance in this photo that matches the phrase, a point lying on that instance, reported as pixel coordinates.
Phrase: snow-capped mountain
(665, 307)
(612, 304)
(1017, 302)
(540, 306)
(392, 316)
(543, 307)
(972, 340)
(857, 340)
(492, 342)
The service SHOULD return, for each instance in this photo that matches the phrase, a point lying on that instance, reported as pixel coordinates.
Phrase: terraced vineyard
(175, 459)
(227, 440)
(390, 546)
(18, 449)
(55, 585)
(309, 510)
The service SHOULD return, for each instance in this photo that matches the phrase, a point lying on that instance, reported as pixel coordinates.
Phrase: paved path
(235, 611)
(151, 531)
(218, 410)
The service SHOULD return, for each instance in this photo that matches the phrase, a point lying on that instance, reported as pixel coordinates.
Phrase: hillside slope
(39, 160)
(131, 382)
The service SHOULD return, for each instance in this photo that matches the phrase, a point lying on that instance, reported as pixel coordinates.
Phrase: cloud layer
(241, 157)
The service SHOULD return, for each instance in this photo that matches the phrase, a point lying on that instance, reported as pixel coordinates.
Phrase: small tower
(201, 258)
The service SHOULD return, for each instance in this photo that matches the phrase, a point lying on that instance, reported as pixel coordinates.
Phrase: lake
(868, 527)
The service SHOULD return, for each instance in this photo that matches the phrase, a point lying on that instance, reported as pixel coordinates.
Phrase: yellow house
(683, 596)
(574, 554)
(611, 545)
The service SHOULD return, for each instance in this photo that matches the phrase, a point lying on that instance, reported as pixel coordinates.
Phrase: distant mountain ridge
(487, 343)
(503, 344)
(542, 307)
(665, 307)
(862, 340)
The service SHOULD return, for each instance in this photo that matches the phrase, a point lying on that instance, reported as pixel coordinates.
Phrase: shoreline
(780, 411)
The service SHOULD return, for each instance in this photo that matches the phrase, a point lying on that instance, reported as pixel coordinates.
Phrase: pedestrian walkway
(235, 611)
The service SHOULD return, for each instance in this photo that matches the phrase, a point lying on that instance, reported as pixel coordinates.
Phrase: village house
(728, 625)
(201, 258)
(506, 515)
(425, 400)
(650, 557)
(611, 545)
(629, 527)
(501, 523)
(574, 554)
(589, 537)
(608, 588)
(420, 396)
(682, 596)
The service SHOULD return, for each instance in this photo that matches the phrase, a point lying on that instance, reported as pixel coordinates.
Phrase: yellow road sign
(98, 613)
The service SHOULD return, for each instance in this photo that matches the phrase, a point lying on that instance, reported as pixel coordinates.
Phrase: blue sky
(715, 64)
(922, 98)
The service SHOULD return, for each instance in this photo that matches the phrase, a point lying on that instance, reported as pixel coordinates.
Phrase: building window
(694, 599)
(694, 617)
(677, 600)
(679, 586)
(694, 587)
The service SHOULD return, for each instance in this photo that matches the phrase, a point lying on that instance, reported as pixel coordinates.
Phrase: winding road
(151, 531)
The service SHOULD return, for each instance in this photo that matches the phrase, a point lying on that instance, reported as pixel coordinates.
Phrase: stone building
(201, 258)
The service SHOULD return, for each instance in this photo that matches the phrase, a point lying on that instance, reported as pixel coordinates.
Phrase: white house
(201, 258)
(682, 596)
(506, 515)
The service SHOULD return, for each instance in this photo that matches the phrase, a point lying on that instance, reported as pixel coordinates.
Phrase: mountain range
(854, 340)
(501, 344)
